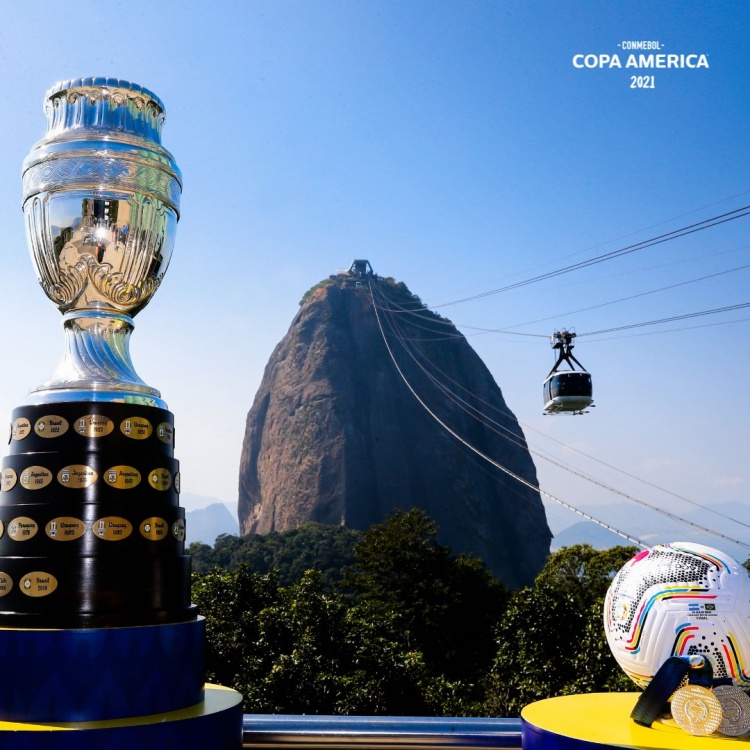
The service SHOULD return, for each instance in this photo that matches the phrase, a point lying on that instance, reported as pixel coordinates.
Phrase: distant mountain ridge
(205, 524)
(334, 435)
(730, 521)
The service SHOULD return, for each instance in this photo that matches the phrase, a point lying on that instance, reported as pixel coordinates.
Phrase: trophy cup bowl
(101, 203)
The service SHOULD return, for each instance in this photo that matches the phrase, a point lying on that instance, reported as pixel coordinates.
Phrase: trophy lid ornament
(101, 200)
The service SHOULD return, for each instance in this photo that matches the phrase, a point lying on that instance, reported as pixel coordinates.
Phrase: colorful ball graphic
(680, 599)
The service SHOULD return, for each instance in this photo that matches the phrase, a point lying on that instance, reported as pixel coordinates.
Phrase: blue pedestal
(213, 724)
(101, 673)
(113, 688)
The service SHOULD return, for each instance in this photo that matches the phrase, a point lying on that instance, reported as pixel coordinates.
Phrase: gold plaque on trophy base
(9, 479)
(136, 428)
(51, 426)
(35, 478)
(94, 426)
(77, 476)
(38, 583)
(160, 479)
(21, 428)
(113, 528)
(65, 528)
(22, 528)
(122, 477)
(154, 528)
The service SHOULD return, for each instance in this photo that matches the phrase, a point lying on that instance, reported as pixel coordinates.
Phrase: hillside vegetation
(328, 621)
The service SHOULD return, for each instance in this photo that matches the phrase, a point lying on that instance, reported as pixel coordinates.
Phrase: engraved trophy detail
(101, 202)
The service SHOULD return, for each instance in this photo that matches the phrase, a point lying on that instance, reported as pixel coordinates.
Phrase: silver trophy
(101, 199)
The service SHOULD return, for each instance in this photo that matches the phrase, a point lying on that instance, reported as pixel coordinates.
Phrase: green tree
(309, 293)
(446, 606)
(416, 631)
(551, 640)
(301, 636)
(582, 571)
(231, 602)
(312, 546)
(385, 676)
(537, 646)
(299, 649)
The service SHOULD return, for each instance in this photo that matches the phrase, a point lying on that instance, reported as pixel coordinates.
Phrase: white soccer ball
(680, 599)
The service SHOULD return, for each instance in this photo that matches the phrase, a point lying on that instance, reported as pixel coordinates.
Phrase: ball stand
(602, 720)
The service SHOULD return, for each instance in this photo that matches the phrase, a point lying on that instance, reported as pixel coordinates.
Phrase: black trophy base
(91, 531)
(82, 620)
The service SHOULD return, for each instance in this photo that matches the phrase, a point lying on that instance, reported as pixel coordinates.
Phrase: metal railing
(363, 732)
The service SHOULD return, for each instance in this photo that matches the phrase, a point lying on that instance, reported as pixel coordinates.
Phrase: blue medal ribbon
(653, 700)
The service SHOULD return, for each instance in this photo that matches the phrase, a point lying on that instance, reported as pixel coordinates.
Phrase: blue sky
(456, 146)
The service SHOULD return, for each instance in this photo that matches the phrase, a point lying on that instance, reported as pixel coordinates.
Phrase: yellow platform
(215, 723)
(602, 720)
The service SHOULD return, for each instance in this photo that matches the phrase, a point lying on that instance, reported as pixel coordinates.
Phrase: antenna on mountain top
(360, 269)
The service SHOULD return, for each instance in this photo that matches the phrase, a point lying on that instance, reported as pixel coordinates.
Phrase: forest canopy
(324, 620)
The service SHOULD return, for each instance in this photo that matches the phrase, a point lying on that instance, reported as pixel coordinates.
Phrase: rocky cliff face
(336, 436)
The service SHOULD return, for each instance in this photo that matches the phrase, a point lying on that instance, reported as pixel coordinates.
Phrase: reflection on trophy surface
(101, 200)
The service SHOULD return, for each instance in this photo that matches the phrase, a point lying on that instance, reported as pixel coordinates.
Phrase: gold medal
(696, 710)
(735, 708)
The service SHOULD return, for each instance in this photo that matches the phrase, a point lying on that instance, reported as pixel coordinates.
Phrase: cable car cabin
(567, 391)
